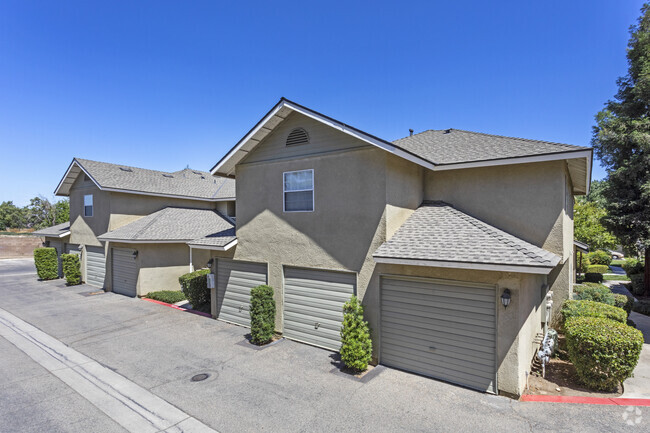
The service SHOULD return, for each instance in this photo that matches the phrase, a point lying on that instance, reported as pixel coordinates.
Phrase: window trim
(92, 206)
(312, 189)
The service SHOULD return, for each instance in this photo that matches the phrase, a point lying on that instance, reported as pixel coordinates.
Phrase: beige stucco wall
(159, 265)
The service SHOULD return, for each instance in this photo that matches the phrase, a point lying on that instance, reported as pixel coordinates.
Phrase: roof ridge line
(153, 220)
(555, 143)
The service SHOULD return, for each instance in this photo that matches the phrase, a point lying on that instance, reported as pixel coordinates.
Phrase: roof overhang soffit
(63, 189)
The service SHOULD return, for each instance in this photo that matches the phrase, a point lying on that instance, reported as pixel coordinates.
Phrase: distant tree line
(39, 213)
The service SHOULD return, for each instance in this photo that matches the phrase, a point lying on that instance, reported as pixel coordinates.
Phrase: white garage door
(125, 271)
(235, 279)
(313, 305)
(95, 266)
(442, 329)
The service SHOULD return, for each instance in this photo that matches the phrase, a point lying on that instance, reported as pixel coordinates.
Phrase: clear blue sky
(164, 84)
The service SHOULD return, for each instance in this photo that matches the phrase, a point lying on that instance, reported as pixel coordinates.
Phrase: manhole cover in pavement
(199, 377)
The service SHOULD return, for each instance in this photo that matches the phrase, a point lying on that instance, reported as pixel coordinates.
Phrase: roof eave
(496, 267)
(226, 247)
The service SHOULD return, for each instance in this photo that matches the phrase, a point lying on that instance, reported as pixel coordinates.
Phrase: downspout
(549, 343)
(191, 265)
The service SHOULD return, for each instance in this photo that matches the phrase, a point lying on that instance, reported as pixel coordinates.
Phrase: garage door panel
(442, 303)
(436, 327)
(447, 290)
(443, 330)
(95, 266)
(433, 313)
(457, 377)
(439, 358)
(125, 271)
(311, 297)
(235, 279)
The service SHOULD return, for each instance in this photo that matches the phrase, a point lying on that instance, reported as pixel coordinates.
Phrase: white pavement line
(130, 405)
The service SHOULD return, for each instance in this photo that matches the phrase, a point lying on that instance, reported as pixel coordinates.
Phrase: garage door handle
(316, 325)
(432, 347)
(241, 308)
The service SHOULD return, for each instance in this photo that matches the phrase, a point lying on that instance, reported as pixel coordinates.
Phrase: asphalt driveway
(286, 387)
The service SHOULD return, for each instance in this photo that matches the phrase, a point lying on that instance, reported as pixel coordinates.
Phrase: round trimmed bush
(637, 284)
(593, 277)
(593, 292)
(572, 309)
(625, 302)
(598, 269)
(167, 296)
(262, 314)
(356, 344)
(604, 352)
(71, 268)
(195, 287)
(47, 263)
(600, 257)
(632, 266)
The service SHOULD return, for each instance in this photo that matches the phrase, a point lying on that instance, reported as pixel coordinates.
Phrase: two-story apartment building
(434, 232)
(133, 226)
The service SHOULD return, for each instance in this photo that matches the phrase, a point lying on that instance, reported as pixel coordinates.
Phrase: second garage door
(95, 266)
(441, 329)
(235, 279)
(313, 305)
(125, 271)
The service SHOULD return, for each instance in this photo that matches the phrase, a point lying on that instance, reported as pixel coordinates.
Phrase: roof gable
(187, 183)
(435, 150)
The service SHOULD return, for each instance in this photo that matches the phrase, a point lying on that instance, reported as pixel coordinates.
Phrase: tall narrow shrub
(195, 287)
(47, 263)
(356, 345)
(262, 314)
(71, 268)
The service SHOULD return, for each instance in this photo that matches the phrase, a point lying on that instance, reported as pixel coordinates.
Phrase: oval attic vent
(297, 136)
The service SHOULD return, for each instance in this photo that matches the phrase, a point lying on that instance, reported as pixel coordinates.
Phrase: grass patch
(617, 262)
(168, 296)
(15, 233)
(607, 277)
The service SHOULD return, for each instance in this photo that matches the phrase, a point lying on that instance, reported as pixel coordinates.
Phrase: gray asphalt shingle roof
(59, 230)
(436, 231)
(184, 183)
(454, 146)
(176, 224)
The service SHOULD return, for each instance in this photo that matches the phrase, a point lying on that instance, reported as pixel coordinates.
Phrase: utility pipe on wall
(191, 265)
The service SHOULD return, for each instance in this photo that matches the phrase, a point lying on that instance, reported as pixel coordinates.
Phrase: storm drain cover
(199, 377)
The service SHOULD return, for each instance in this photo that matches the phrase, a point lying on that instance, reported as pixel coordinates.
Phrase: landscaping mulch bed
(561, 374)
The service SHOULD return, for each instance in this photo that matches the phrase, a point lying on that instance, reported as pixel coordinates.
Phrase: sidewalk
(639, 385)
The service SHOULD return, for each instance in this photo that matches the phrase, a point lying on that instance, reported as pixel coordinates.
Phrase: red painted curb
(200, 313)
(586, 400)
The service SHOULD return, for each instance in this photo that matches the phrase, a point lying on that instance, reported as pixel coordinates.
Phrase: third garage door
(235, 279)
(125, 271)
(442, 329)
(313, 305)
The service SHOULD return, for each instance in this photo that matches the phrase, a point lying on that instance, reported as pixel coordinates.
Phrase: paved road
(286, 387)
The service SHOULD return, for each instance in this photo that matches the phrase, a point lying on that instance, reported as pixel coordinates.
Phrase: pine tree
(622, 143)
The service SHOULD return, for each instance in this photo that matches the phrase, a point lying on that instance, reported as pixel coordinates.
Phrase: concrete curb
(200, 313)
(585, 400)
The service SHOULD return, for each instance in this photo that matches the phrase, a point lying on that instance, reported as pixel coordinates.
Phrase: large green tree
(622, 142)
(588, 219)
(11, 216)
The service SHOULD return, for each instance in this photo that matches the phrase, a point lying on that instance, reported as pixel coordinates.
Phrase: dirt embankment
(18, 246)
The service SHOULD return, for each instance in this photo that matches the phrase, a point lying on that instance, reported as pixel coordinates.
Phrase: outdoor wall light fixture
(135, 254)
(505, 298)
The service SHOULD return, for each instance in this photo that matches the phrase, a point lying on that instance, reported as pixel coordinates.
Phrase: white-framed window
(88, 205)
(298, 191)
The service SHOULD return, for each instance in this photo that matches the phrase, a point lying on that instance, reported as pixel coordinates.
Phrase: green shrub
(47, 263)
(604, 352)
(583, 263)
(637, 284)
(597, 293)
(262, 314)
(572, 309)
(71, 268)
(195, 287)
(592, 277)
(625, 302)
(356, 345)
(633, 266)
(600, 257)
(167, 296)
(642, 307)
(598, 269)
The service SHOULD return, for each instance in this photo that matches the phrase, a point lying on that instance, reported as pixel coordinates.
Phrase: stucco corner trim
(543, 270)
